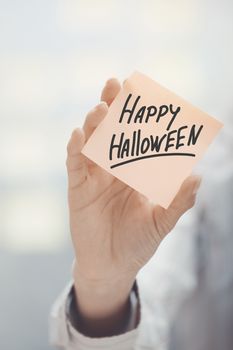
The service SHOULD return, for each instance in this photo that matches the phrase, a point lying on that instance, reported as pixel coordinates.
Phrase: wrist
(102, 306)
(101, 297)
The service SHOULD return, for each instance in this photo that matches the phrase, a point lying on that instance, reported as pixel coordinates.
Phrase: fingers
(93, 119)
(111, 89)
(76, 161)
(184, 200)
(96, 115)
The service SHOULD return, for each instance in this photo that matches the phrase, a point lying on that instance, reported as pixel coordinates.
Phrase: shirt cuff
(63, 333)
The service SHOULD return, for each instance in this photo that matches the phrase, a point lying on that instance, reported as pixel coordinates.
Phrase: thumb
(183, 201)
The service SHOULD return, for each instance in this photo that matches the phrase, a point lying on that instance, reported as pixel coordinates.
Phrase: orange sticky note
(151, 138)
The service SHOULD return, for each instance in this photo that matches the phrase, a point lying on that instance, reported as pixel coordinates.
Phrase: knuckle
(69, 144)
(193, 201)
(68, 147)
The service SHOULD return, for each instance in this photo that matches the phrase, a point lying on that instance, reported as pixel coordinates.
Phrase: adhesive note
(151, 138)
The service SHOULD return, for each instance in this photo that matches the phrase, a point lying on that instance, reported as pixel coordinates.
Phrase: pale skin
(115, 230)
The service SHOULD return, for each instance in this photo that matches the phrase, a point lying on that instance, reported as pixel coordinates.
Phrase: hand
(115, 230)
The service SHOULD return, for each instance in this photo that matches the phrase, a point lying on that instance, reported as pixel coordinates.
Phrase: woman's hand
(115, 230)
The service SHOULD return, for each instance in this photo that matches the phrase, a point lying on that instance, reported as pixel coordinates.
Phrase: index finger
(110, 91)
(96, 115)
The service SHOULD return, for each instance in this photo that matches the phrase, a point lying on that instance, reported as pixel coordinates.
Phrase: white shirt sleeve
(65, 336)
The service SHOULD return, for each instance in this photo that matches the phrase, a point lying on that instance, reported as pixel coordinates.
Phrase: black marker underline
(152, 156)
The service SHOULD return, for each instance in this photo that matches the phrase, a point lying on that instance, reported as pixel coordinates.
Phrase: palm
(123, 225)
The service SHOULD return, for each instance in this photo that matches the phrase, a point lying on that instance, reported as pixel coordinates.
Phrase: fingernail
(101, 105)
(109, 81)
(197, 184)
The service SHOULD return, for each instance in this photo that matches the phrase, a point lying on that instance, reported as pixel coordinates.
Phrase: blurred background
(55, 56)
